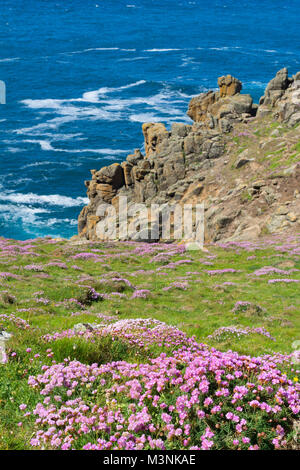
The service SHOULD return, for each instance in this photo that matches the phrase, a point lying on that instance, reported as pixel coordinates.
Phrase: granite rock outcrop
(223, 158)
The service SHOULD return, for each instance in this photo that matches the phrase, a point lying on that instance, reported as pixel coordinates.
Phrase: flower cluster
(221, 271)
(17, 321)
(140, 332)
(196, 398)
(286, 281)
(226, 331)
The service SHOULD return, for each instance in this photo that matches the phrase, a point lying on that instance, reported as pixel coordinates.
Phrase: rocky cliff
(241, 159)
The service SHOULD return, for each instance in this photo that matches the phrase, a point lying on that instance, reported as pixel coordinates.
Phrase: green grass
(205, 306)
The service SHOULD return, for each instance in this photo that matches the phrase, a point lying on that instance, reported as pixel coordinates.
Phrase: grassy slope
(199, 310)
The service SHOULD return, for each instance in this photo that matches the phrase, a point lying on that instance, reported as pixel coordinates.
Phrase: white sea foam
(9, 212)
(256, 83)
(54, 123)
(223, 48)
(41, 104)
(188, 61)
(102, 105)
(54, 221)
(164, 102)
(92, 96)
(133, 59)
(32, 165)
(144, 117)
(51, 199)
(91, 49)
(46, 145)
(162, 50)
(10, 59)
(30, 216)
(70, 114)
(14, 149)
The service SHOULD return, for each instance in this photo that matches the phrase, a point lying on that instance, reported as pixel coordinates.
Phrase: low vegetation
(149, 346)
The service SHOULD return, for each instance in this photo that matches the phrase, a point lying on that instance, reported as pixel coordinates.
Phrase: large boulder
(199, 106)
(229, 86)
(154, 135)
(282, 98)
(276, 88)
(218, 109)
(112, 174)
(127, 167)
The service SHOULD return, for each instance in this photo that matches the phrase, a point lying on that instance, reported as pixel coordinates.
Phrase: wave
(101, 105)
(54, 221)
(10, 59)
(144, 117)
(46, 145)
(69, 112)
(133, 59)
(256, 83)
(38, 104)
(163, 50)
(31, 217)
(91, 96)
(148, 117)
(54, 123)
(27, 214)
(14, 149)
(32, 165)
(91, 49)
(51, 199)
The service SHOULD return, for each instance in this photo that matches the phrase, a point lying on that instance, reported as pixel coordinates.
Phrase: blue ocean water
(83, 75)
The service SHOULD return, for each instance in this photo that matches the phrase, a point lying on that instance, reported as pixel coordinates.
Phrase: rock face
(219, 109)
(282, 98)
(204, 162)
(229, 86)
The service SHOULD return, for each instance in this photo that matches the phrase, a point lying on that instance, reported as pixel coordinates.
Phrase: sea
(81, 77)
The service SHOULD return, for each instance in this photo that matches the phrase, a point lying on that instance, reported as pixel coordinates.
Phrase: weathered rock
(135, 157)
(275, 88)
(106, 191)
(243, 159)
(249, 233)
(291, 216)
(282, 210)
(294, 119)
(127, 167)
(154, 135)
(180, 130)
(229, 86)
(240, 104)
(225, 125)
(218, 109)
(112, 175)
(282, 98)
(200, 106)
(192, 163)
